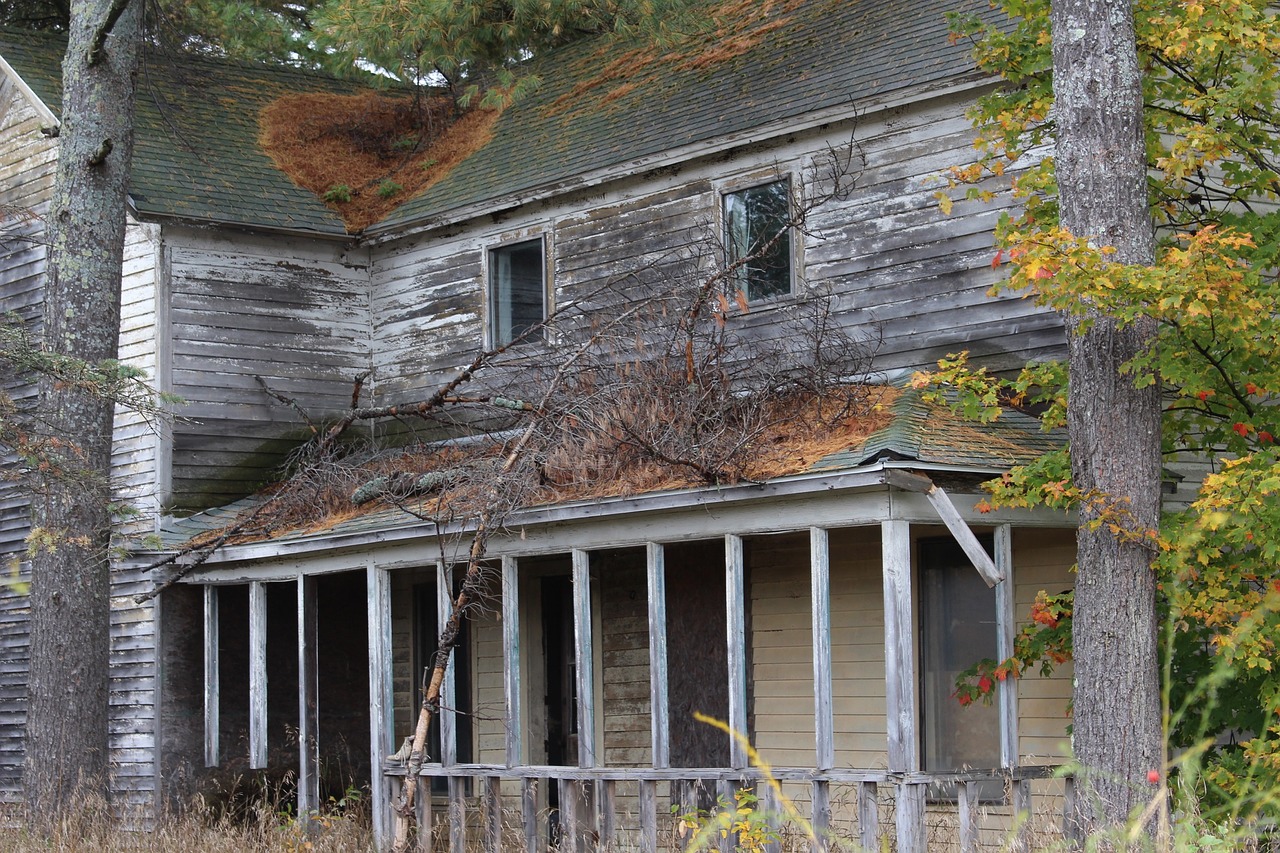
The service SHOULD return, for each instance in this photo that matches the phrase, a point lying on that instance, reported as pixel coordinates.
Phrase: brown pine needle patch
(367, 154)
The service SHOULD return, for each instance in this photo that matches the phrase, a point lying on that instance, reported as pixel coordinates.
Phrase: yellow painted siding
(1042, 560)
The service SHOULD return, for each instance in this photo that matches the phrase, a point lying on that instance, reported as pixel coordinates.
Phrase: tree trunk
(1114, 428)
(67, 704)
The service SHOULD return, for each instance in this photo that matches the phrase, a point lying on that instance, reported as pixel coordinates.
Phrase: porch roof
(920, 434)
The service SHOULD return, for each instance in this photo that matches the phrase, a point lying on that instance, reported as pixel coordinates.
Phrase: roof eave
(41, 108)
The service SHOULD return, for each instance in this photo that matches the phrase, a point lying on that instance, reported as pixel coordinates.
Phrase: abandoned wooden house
(822, 613)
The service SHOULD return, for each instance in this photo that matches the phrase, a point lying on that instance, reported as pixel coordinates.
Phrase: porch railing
(588, 818)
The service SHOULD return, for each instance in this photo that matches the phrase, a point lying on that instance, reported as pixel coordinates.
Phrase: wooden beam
(493, 815)
(1006, 629)
(257, 675)
(585, 665)
(212, 696)
(941, 503)
(900, 680)
(457, 814)
(1021, 814)
(511, 656)
(381, 700)
(868, 816)
(529, 814)
(899, 650)
(735, 619)
(820, 598)
(308, 707)
(659, 709)
(821, 815)
(648, 815)
(448, 688)
(968, 805)
(426, 822)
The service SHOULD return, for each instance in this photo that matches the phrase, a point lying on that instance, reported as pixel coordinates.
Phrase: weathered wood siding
(1042, 560)
(27, 164)
(910, 281)
(294, 313)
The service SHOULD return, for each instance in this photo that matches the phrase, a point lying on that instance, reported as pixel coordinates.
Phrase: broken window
(517, 291)
(758, 236)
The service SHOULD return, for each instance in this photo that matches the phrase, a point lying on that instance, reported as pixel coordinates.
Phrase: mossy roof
(196, 152)
(198, 156)
(917, 430)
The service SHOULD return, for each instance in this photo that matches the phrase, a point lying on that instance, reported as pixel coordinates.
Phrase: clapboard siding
(27, 164)
(293, 312)
(911, 281)
(624, 650)
(1043, 560)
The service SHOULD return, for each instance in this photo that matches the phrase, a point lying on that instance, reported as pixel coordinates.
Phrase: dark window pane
(756, 222)
(958, 629)
(516, 292)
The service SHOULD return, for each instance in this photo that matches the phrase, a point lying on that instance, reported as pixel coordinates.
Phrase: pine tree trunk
(67, 704)
(1114, 428)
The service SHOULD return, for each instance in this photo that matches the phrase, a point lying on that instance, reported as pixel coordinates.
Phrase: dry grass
(376, 151)
(94, 830)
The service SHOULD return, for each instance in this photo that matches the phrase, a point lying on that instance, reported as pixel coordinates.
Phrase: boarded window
(758, 236)
(517, 300)
(957, 629)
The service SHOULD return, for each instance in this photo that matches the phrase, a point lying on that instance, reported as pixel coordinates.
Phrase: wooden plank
(899, 653)
(448, 690)
(821, 815)
(648, 815)
(735, 619)
(426, 825)
(529, 814)
(964, 536)
(212, 695)
(308, 707)
(968, 807)
(725, 790)
(1021, 814)
(868, 816)
(570, 834)
(1070, 804)
(583, 657)
(910, 817)
(381, 698)
(659, 709)
(493, 815)
(1006, 629)
(608, 813)
(457, 815)
(257, 675)
(771, 809)
(511, 656)
(820, 598)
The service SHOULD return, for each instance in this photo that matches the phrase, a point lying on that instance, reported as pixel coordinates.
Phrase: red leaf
(995, 262)
(1241, 429)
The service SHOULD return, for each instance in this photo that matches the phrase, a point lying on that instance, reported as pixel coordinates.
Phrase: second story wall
(908, 281)
(241, 308)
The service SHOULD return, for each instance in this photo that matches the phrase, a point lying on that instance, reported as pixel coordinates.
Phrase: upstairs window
(517, 290)
(757, 230)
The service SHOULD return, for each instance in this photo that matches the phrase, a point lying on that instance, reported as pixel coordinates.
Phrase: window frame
(739, 185)
(540, 236)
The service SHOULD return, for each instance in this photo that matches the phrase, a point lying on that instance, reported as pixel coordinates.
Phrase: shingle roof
(198, 158)
(829, 54)
(918, 431)
(196, 151)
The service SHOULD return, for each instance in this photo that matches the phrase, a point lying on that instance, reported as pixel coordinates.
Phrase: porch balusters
(257, 675)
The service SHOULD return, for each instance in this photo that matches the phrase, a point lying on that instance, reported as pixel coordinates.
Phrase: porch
(820, 616)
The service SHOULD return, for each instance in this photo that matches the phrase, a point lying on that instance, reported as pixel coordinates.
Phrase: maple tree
(1210, 87)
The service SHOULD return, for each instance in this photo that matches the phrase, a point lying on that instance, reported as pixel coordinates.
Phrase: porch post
(211, 694)
(448, 699)
(820, 596)
(381, 702)
(735, 618)
(308, 708)
(257, 675)
(582, 658)
(511, 655)
(655, 568)
(900, 680)
(1006, 627)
